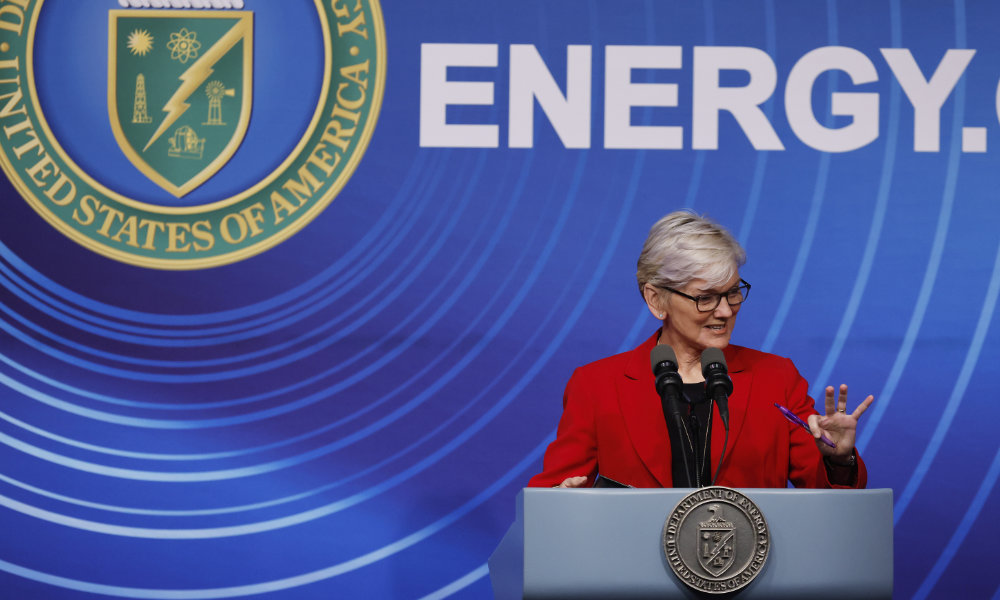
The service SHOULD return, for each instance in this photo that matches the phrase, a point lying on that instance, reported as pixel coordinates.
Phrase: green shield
(179, 91)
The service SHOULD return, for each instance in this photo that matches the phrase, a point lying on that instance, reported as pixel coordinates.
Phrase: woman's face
(686, 327)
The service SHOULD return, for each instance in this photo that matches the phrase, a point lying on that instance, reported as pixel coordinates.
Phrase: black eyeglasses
(709, 302)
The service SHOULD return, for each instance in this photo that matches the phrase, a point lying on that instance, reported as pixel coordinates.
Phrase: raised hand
(838, 424)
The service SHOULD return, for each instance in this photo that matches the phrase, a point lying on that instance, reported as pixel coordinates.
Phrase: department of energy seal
(186, 134)
(716, 540)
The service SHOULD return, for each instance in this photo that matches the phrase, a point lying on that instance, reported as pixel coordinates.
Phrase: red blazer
(613, 424)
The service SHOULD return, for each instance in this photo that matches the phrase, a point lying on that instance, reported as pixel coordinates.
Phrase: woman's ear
(656, 300)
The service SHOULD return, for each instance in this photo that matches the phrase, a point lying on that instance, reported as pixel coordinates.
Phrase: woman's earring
(662, 315)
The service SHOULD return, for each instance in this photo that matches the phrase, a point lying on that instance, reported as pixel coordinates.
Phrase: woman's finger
(860, 410)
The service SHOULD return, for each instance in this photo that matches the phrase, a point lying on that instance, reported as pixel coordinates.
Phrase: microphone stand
(718, 386)
(669, 385)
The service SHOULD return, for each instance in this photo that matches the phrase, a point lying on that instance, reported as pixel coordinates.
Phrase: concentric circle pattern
(352, 413)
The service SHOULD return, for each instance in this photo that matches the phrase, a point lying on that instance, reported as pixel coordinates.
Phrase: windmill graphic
(215, 90)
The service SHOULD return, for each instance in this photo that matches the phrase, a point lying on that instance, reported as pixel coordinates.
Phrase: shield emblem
(717, 543)
(179, 91)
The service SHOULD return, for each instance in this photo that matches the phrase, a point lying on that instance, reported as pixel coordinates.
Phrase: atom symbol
(183, 45)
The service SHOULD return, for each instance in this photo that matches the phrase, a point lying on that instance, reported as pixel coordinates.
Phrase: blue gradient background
(352, 413)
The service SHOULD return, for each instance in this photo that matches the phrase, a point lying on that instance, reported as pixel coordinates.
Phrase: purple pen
(795, 419)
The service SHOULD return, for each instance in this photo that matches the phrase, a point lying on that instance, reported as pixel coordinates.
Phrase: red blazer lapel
(643, 414)
(739, 405)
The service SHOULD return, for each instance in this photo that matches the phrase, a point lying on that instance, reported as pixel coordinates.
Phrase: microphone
(718, 385)
(668, 380)
(668, 386)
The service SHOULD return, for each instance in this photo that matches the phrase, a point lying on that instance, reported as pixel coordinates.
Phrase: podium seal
(716, 540)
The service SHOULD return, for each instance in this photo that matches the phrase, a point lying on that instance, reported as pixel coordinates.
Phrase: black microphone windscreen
(711, 356)
(718, 385)
(660, 353)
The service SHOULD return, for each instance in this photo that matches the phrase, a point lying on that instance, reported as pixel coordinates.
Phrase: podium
(607, 543)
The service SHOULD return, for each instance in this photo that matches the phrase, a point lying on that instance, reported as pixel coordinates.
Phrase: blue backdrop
(352, 413)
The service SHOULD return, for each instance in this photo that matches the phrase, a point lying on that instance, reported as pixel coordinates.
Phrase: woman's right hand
(573, 482)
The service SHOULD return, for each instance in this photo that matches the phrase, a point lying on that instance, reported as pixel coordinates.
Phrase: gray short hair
(683, 246)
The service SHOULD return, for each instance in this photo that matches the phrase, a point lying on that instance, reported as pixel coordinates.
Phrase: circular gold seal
(716, 540)
(221, 133)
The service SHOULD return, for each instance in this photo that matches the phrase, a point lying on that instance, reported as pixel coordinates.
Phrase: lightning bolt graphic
(196, 75)
(720, 545)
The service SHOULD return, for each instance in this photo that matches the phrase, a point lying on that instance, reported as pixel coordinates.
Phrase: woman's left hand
(838, 425)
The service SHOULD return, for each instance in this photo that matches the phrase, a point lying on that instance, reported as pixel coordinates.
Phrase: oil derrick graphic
(215, 90)
(139, 113)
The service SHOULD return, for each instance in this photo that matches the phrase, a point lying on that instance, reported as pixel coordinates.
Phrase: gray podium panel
(606, 543)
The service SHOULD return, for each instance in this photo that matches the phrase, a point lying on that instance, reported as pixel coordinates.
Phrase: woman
(613, 422)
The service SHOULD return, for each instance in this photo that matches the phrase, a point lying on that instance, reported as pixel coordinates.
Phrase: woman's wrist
(843, 462)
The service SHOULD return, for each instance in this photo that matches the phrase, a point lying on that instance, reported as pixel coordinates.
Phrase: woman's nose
(723, 309)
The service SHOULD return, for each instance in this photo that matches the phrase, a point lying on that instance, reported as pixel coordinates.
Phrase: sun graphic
(140, 42)
(184, 45)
